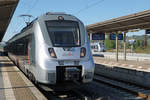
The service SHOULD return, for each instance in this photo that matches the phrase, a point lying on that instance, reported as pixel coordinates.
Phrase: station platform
(14, 85)
(129, 71)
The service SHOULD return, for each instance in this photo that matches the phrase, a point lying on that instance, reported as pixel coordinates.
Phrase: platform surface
(129, 64)
(128, 71)
(14, 85)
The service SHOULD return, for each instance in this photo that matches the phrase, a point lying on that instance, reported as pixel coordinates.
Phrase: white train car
(54, 48)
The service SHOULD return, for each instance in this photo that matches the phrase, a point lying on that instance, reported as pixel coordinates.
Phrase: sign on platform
(147, 31)
(98, 36)
(113, 36)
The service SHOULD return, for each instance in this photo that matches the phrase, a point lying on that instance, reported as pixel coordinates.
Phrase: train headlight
(60, 18)
(52, 52)
(82, 52)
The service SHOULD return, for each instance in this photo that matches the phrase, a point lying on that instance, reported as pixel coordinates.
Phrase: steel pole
(124, 45)
(117, 46)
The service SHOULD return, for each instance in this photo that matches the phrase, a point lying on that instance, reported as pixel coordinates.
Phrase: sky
(88, 11)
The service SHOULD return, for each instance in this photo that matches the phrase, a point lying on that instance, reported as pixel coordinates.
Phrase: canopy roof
(7, 8)
(139, 20)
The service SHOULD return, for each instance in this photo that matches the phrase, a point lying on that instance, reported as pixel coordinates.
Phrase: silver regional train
(53, 48)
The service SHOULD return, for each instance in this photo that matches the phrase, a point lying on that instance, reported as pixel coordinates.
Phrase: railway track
(83, 92)
(75, 94)
(117, 91)
(130, 90)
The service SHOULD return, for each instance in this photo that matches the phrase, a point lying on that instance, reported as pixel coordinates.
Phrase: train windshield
(64, 33)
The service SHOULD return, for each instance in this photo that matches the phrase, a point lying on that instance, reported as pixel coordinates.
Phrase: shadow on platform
(17, 87)
(9, 71)
(4, 61)
(3, 53)
(6, 65)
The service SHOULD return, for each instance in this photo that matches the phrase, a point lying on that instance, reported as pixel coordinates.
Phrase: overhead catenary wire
(90, 6)
(23, 4)
(32, 6)
(29, 5)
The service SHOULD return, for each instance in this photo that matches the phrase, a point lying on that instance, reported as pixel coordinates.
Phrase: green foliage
(128, 45)
(110, 44)
(137, 44)
(142, 50)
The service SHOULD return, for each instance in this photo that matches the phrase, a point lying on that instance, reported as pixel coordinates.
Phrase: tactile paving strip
(17, 86)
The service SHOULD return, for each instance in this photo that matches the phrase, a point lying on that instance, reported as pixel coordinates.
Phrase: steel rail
(138, 90)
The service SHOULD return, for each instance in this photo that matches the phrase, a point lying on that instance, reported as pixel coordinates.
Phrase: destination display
(112, 36)
(98, 36)
(147, 31)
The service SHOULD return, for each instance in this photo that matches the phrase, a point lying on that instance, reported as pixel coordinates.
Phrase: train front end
(63, 50)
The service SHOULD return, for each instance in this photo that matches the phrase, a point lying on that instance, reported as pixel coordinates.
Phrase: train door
(24, 58)
(32, 49)
(31, 57)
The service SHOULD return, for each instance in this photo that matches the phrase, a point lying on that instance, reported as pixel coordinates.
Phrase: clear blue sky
(89, 11)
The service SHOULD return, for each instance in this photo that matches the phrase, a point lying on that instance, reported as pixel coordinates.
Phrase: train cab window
(64, 33)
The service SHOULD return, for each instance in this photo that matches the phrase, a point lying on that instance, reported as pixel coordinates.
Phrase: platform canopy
(7, 8)
(139, 20)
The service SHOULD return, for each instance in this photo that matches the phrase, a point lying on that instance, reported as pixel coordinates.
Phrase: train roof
(48, 13)
(28, 26)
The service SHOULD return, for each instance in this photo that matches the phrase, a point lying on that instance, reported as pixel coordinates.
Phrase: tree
(110, 44)
(137, 44)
